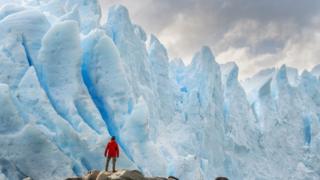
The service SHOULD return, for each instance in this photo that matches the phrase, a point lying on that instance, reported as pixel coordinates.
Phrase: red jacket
(112, 149)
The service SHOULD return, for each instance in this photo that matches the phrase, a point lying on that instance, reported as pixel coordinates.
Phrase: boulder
(74, 178)
(27, 178)
(134, 175)
(172, 178)
(123, 175)
(221, 178)
(118, 175)
(155, 178)
(91, 175)
(104, 175)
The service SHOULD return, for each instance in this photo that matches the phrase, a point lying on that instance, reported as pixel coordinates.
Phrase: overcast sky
(256, 34)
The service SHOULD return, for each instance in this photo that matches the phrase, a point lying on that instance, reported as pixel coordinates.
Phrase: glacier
(69, 81)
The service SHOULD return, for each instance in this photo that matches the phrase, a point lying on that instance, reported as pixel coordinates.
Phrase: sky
(256, 34)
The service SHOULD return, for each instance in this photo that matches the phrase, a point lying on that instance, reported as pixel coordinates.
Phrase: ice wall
(67, 83)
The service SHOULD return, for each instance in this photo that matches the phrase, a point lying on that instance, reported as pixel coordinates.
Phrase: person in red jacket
(112, 152)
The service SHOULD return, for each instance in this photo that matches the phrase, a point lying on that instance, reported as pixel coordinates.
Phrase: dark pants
(113, 163)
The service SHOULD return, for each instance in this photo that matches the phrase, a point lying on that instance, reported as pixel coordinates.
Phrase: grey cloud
(262, 29)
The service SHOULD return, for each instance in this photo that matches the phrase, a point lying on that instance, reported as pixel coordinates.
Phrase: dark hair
(113, 138)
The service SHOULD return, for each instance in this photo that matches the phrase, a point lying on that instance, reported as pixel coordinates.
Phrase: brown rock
(118, 175)
(134, 175)
(92, 175)
(161, 178)
(172, 178)
(221, 178)
(104, 175)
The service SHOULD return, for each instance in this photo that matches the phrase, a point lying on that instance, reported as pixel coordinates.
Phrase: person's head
(113, 138)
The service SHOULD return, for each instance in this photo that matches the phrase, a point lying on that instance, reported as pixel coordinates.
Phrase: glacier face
(67, 83)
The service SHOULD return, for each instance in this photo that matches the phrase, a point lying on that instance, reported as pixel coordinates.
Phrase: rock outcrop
(119, 175)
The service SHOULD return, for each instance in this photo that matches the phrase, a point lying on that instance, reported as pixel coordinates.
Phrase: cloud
(300, 50)
(255, 34)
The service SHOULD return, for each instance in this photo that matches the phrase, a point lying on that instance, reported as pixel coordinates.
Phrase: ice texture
(68, 83)
(10, 118)
(19, 43)
(316, 71)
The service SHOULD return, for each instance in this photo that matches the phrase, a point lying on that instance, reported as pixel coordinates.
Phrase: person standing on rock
(112, 152)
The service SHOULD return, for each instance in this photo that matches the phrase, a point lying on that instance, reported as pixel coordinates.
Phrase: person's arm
(106, 150)
(117, 149)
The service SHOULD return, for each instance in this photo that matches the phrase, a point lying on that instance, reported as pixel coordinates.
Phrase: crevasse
(101, 106)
